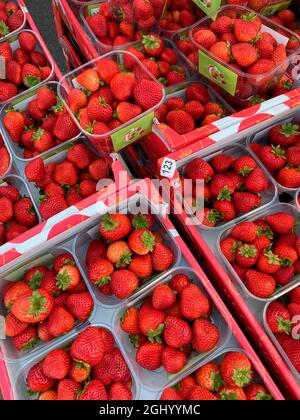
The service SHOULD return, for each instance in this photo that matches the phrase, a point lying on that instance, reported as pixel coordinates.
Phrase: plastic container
(83, 240)
(10, 354)
(13, 41)
(261, 138)
(259, 215)
(21, 103)
(4, 38)
(285, 357)
(159, 378)
(19, 385)
(268, 197)
(137, 127)
(237, 83)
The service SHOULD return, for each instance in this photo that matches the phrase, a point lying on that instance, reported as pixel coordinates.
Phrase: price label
(168, 168)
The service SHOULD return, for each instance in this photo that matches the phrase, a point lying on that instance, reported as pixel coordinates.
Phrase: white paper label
(168, 168)
(2, 68)
(281, 39)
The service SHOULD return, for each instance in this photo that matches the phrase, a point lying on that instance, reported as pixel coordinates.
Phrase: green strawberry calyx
(36, 280)
(38, 134)
(284, 325)
(262, 396)
(228, 396)
(108, 223)
(250, 17)
(286, 262)
(276, 150)
(248, 251)
(103, 281)
(63, 280)
(245, 170)
(154, 335)
(242, 376)
(30, 344)
(214, 216)
(125, 259)
(31, 81)
(148, 240)
(4, 29)
(151, 42)
(216, 380)
(37, 306)
(265, 231)
(140, 222)
(289, 129)
(225, 194)
(134, 339)
(272, 258)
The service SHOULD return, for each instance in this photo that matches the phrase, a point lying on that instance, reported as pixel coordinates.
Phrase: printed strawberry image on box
(243, 53)
(227, 377)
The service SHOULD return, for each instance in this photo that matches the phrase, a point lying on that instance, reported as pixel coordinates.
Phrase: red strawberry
(193, 303)
(289, 177)
(225, 210)
(173, 360)
(163, 297)
(43, 332)
(205, 38)
(120, 392)
(149, 356)
(221, 25)
(209, 376)
(98, 169)
(14, 123)
(257, 392)
(100, 271)
(141, 242)
(151, 322)
(246, 202)
(46, 98)
(57, 364)
(31, 75)
(67, 390)
(80, 305)
(107, 69)
(37, 381)
(123, 283)
(141, 265)
(108, 340)
(14, 292)
(62, 260)
(246, 255)
(35, 276)
(88, 347)
(94, 390)
(200, 393)
(114, 226)
(13, 326)
(294, 295)
(287, 254)
(205, 335)
(245, 30)
(141, 221)
(27, 41)
(48, 396)
(222, 187)
(60, 321)
(177, 332)
(245, 231)
(33, 306)
(232, 393)
(268, 262)
(96, 249)
(222, 163)
(236, 369)
(244, 54)
(35, 170)
(162, 257)
(130, 321)
(284, 135)
(65, 128)
(26, 340)
(259, 284)
(68, 277)
(221, 51)
(7, 91)
(292, 349)
(79, 372)
(52, 206)
(281, 222)
(197, 92)
(278, 318)
(179, 282)
(199, 169)
(6, 210)
(244, 165)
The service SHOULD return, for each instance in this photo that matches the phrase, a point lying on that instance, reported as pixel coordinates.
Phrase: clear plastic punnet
(239, 83)
(21, 104)
(128, 132)
(14, 43)
(275, 208)
(7, 35)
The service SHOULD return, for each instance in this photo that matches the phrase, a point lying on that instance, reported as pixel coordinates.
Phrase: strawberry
(15, 21)
(205, 335)
(108, 340)
(65, 128)
(221, 50)
(222, 187)
(151, 322)
(98, 169)
(245, 232)
(35, 276)
(232, 393)
(177, 332)
(122, 86)
(7, 91)
(278, 318)
(139, 221)
(46, 98)
(200, 393)
(244, 165)
(120, 392)
(284, 135)
(65, 174)
(114, 226)
(222, 163)
(14, 73)
(289, 177)
(197, 92)
(13, 326)
(294, 295)
(60, 321)
(163, 297)
(96, 249)
(193, 303)
(268, 262)
(68, 277)
(294, 309)
(287, 254)
(195, 109)
(24, 212)
(162, 257)
(205, 37)
(141, 265)
(80, 305)
(100, 271)
(273, 157)
(26, 339)
(99, 110)
(124, 283)
(257, 392)
(246, 255)
(63, 260)
(222, 25)
(173, 360)
(31, 75)
(33, 306)
(77, 100)
(43, 332)
(98, 24)
(35, 170)
(119, 254)
(257, 181)
(186, 385)
(141, 242)
(37, 381)
(14, 231)
(48, 396)
(27, 41)
(107, 69)
(4, 160)
(112, 368)
(79, 372)
(89, 80)
(35, 112)
(279, 55)
(179, 282)
(88, 347)
(293, 156)
(15, 291)
(244, 54)
(147, 93)
(67, 390)
(6, 210)
(259, 284)
(149, 356)
(180, 121)
(6, 51)
(52, 206)
(94, 390)
(246, 202)
(14, 123)
(292, 349)
(209, 377)
(281, 222)
(130, 321)
(38, 59)
(236, 369)
(199, 169)
(228, 247)
(57, 364)
(245, 30)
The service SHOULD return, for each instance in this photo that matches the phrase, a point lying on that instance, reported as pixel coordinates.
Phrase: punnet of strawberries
(4, 158)
(68, 181)
(110, 95)
(280, 153)
(91, 368)
(179, 14)
(41, 126)
(283, 319)
(229, 379)
(264, 253)
(11, 17)
(190, 108)
(17, 212)
(171, 325)
(241, 40)
(160, 58)
(25, 65)
(129, 252)
(120, 22)
(234, 185)
(46, 303)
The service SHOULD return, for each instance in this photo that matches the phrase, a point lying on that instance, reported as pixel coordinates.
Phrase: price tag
(2, 68)
(168, 168)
